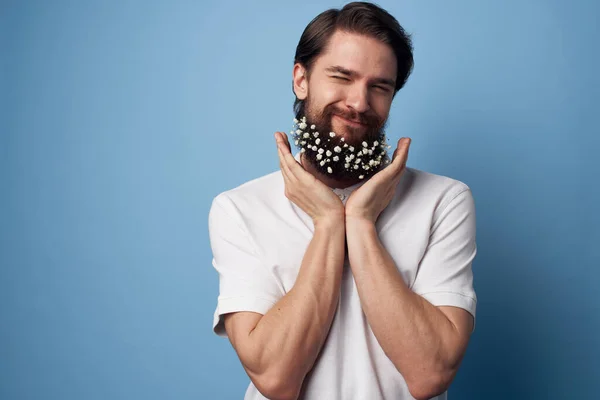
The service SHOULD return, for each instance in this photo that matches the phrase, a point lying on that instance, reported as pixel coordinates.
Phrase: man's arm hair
(279, 348)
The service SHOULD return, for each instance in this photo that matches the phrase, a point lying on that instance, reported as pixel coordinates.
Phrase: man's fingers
(285, 171)
(401, 155)
(283, 165)
(285, 156)
(281, 139)
(287, 142)
(281, 162)
(295, 168)
(293, 164)
(401, 147)
(283, 144)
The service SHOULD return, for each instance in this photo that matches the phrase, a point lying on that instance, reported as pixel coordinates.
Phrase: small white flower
(357, 161)
(351, 148)
(298, 131)
(329, 153)
(371, 162)
(322, 163)
(297, 141)
(345, 144)
(332, 134)
(360, 153)
(321, 151)
(303, 142)
(364, 144)
(302, 125)
(329, 170)
(302, 150)
(375, 143)
(370, 152)
(342, 139)
(296, 121)
(337, 149)
(312, 126)
(306, 135)
(335, 158)
(351, 156)
(314, 148)
(346, 165)
(355, 166)
(317, 141)
(319, 156)
(316, 134)
(361, 176)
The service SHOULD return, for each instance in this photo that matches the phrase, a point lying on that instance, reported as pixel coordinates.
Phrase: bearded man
(346, 274)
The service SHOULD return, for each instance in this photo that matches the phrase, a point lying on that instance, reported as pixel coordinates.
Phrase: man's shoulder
(430, 188)
(430, 180)
(255, 194)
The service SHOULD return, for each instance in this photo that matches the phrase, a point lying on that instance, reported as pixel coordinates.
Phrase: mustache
(368, 120)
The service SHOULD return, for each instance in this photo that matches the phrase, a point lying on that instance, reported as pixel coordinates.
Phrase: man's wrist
(358, 227)
(359, 222)
(330, 221)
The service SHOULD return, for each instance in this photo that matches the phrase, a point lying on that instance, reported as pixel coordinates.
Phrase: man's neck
(332, 183)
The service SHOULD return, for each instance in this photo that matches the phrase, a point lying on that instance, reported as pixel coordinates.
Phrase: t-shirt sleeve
(245, 284)
(445, 275)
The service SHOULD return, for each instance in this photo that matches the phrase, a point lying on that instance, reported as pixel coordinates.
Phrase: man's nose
(358, 99)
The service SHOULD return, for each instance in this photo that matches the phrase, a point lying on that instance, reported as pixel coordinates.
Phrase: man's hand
(368, 201)
(303, 189)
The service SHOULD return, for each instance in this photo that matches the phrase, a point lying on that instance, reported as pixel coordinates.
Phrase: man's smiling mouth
(350, 122)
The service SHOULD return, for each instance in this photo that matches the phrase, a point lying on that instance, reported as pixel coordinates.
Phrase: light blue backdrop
(121, 120)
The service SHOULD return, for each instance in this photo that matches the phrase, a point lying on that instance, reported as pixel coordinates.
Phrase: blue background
(121, 120)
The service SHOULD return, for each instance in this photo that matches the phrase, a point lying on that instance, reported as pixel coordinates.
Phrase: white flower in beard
(368, 156)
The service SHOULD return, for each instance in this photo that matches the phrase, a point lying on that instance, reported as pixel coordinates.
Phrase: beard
(352, 155)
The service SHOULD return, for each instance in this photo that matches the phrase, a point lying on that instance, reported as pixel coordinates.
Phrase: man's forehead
(358, 53)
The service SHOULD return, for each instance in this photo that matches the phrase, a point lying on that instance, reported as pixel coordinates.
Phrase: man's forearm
(411, 331)
(290, 335)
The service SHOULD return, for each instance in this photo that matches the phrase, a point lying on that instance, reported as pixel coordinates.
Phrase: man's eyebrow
(344, 71)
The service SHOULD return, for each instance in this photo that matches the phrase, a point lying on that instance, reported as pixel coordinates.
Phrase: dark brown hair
(357, 17)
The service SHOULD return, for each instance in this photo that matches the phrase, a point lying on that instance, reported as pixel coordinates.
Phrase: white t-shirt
(259, 237)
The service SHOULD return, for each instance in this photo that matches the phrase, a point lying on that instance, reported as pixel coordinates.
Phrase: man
(346, 275)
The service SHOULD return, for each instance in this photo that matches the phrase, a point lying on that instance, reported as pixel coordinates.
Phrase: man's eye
(341, 77)
(382, 88)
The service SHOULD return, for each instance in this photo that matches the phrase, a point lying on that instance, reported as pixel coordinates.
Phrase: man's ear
(300, 81)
